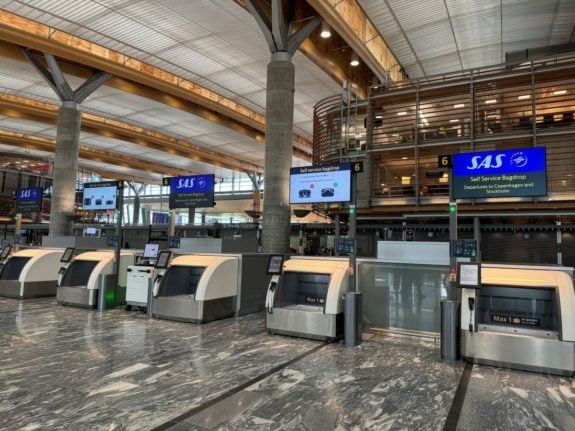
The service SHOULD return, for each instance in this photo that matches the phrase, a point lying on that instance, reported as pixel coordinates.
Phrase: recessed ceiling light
(459, 105)
(454, 121)
(404, 158)
(354, 62)
(524, 96)
(325, 34)
(490, 101)
(402, 113)
(559, 92)
(379, 117)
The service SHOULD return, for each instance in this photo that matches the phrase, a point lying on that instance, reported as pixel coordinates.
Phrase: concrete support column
(65, 170)
(278, 155)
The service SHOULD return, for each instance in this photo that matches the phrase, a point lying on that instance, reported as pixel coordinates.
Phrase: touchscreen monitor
(151, 251)
(5, 252)
(67, 256)
(469, 275)
(163, 259)
(275, 264)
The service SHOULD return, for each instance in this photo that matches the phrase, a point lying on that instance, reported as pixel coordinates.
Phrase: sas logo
(486, 162)
(518, 159)
(185, 183)
(26, 193)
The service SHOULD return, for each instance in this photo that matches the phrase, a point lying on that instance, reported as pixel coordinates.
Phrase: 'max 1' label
(515, 320)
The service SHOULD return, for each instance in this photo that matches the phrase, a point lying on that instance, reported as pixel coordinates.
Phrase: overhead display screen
(100, 196)
(498, 174)
(196, 191)
(320, 183)
(28, 200)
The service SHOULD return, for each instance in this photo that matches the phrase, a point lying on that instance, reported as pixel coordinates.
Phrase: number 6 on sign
(444, 161)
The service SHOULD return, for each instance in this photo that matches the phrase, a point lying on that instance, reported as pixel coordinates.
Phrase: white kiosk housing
(31, 273)
(520, 317)
(79, 281)
(307, 301)
(197, 288)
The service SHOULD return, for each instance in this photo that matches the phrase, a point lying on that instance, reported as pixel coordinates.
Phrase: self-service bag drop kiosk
(306, 299)
(30, 273)
(140, 275)
(518, 316)
(79, 279)
(197, 288)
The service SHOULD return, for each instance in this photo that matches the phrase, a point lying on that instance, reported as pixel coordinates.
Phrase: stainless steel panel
(519, 351)
(307, 324)
(185, 309)
(10, 288)
(77, 296)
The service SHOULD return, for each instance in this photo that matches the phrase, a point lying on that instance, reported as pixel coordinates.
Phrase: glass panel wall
(402, 296)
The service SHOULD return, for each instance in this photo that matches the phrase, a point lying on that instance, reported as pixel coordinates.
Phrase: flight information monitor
(100, 196)
(151, 251)
(320, 183)
(275, 264)
(163, 259)
(67, 256)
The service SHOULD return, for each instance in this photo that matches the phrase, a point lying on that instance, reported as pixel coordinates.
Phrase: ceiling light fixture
(490, 101)
(354, 60)
(325, 30)
(459, 105)
(402, 113)
(524, 96)
(559, 92)
(454, 121)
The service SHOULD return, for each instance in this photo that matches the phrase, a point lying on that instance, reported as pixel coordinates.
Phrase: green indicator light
(452, 208)
(352, 210)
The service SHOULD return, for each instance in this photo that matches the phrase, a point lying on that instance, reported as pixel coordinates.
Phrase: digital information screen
(5, 252)
(151, 251)
(320, 183)
(163, 259)
(196, 191)
(469, 275)
(499, 174)
(275, 264)
(100, 196)
(67, 256)
(28, 200)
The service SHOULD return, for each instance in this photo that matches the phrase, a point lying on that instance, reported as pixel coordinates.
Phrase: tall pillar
(278, 154)
(279, 120)
(65, 169)
(67, 139)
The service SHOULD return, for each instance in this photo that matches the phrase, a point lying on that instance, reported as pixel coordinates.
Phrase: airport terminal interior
(287, 215)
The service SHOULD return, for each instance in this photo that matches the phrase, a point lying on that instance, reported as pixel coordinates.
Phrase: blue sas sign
(28, 200)
(196, 191)
(497, 174)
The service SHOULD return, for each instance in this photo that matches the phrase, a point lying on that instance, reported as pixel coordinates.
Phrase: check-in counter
(197, 288)
(204, 287)
(520, 317)
(307, 300)
(31, 273)
(79, 280)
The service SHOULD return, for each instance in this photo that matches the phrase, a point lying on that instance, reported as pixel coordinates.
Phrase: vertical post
(191, 215)
(477, 236)
(101, 292)
(17, 228)
(119, 242)
(172, 223)
(559, 244)
(352, 312)
(337, 234)
(452, 292)
(150, 298)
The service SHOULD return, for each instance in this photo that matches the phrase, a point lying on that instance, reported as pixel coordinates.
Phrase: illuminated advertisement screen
(320, 183)
(28, 200)
(100, 196)
(498, 174)
(196, 191)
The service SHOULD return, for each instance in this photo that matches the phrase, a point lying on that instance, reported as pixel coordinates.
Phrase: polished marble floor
(64, 368)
